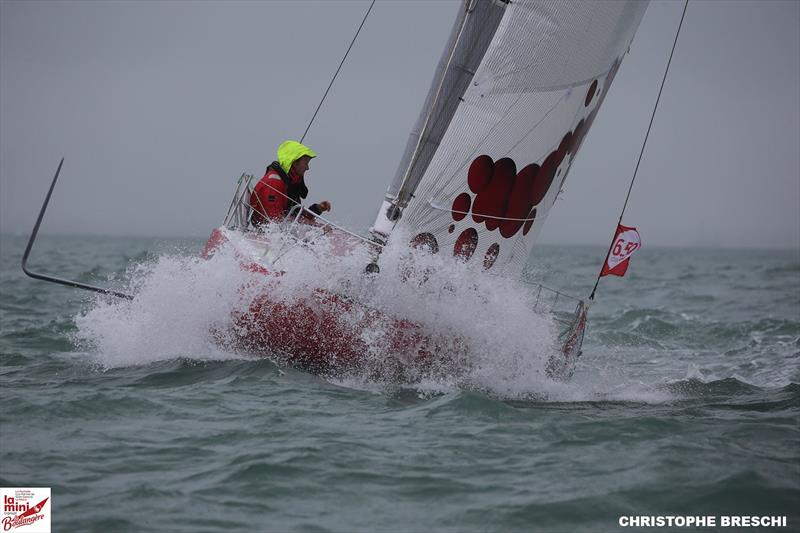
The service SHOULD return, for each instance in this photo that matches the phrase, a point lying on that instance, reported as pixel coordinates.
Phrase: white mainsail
(516, 90)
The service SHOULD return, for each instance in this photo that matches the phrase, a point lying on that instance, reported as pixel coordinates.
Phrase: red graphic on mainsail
(34, 510)
(466, 244)
(507, 200)
(502, 193)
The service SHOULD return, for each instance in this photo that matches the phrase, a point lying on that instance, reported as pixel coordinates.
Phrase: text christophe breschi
(702, 521)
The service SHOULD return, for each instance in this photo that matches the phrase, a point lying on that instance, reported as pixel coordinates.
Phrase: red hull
(331, 333)
(325, 332)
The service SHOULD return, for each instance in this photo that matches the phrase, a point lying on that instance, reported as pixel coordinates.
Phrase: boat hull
(326, 332)
(331, 333)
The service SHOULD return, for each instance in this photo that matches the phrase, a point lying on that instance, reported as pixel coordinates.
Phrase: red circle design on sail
(520, 200)
(502, 194)
(506, 199)
(426, 242)
(466, 244)
(480, 173)
(461, 206)
(491, 256)
(492, 201)
(590, 93)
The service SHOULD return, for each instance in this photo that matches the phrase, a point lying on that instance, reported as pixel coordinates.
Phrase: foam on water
(179, 302)
(183, 308)
(485, 325)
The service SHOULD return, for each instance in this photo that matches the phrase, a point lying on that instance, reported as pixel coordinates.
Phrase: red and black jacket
(276, 194)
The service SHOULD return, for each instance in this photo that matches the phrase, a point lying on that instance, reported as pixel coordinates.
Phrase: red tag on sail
(626, 241)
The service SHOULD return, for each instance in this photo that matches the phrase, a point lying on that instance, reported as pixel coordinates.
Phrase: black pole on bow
(53, 279)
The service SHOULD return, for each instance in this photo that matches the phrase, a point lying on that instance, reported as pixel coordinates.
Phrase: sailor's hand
(325, 206)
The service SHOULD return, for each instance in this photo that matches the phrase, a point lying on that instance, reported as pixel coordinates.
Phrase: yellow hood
(291, 151)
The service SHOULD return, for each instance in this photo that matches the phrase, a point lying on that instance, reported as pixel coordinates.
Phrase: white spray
(183, 308)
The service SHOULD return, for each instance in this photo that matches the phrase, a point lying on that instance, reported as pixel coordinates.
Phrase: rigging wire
(652, 117)
(337, 70)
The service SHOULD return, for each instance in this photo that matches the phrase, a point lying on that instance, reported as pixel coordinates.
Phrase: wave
(184, 305)
(184, 308)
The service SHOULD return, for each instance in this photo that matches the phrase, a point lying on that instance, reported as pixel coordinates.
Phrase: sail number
(623, 248)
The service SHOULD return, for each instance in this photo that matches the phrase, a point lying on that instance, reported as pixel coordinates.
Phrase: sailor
(283, 187)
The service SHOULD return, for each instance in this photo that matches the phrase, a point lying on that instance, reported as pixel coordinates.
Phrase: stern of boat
(561, 364)
(570, 314)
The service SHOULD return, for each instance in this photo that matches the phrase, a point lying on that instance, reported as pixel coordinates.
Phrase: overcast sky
(159, 106)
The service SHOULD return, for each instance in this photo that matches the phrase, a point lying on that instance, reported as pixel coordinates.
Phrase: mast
(469, 39)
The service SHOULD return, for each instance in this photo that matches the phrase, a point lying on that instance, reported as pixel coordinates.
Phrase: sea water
(685, 401)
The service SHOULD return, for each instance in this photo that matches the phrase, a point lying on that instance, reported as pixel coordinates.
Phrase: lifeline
(702, 521)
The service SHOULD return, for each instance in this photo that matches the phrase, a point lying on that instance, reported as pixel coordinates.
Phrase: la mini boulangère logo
(26, 510)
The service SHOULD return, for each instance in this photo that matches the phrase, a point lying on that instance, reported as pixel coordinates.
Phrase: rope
(337, 70)
(652, 117)
(465, 213)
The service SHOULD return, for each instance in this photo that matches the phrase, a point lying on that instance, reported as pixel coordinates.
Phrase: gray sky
(159, 106)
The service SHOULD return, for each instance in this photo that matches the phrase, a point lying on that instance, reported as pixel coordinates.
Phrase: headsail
(517, 88)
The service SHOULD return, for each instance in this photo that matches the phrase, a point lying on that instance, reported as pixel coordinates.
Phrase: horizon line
(198, 237)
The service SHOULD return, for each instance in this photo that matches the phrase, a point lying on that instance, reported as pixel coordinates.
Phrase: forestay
(516, 91)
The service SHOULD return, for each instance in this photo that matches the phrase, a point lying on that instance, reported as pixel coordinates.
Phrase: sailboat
(516, 90)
